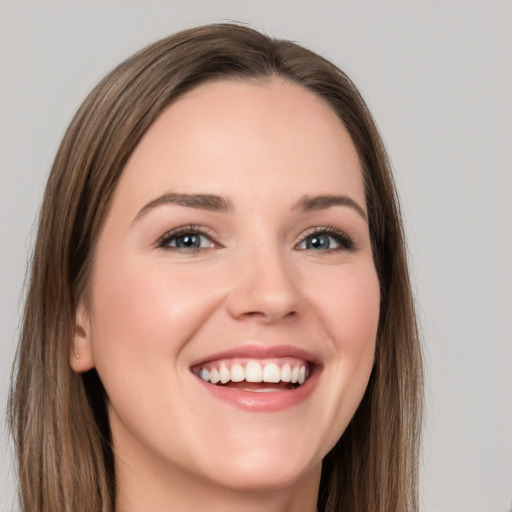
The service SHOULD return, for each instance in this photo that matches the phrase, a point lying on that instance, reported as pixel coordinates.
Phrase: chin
(264, 474)
(272, 462)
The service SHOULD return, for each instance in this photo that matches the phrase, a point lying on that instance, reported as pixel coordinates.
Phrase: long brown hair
(58, 418)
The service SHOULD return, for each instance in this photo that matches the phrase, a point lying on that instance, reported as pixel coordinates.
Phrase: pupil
(188, 241)
(319, 242)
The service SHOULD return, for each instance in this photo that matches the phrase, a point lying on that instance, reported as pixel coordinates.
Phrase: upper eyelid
(190, 228)
(210, 233)
(321, 229)
(345, 239)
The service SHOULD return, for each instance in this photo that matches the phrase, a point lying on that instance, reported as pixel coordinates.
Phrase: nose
(264, 288)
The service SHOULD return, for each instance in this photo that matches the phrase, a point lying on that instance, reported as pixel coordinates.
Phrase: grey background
(438, 78)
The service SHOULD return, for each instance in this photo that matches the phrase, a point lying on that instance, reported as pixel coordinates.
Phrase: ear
(81, 356)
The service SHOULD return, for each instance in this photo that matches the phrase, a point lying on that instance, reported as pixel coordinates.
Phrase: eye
(325, 239)
(187, 238)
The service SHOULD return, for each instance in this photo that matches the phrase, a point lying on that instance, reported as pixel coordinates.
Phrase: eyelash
(345, 243)
(164, 241)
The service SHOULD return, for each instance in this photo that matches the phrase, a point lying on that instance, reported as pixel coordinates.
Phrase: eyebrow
(215, 203)
(208, 202)
(321, 202)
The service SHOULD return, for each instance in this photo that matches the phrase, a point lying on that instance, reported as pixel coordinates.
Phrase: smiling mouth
(282, 374)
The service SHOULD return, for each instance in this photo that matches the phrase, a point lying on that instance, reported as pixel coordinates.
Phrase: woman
(219, 314)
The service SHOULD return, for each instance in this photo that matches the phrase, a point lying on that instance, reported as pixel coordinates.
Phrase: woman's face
(236, 248)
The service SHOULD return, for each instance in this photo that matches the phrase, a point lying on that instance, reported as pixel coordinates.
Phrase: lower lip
(271, 401)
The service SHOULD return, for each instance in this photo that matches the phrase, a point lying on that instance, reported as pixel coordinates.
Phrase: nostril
(270, 316)
(263, 287)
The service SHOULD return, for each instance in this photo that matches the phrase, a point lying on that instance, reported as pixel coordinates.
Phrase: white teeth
(295, 375)
(271, 373)
(214, 376)
(253, 372)
(237, 373)
(224, 374)
(286, 373)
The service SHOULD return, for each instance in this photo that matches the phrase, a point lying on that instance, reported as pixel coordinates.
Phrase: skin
(150, 312)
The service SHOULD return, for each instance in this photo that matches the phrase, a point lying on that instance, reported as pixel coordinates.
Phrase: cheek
(143, 315)
(349, 305)
(348, 308)
(355, 327)
(362, 309)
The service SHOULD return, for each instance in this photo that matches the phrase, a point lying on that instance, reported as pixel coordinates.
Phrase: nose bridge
(264, 285)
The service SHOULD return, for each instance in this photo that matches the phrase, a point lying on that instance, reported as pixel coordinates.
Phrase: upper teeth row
(254, 372)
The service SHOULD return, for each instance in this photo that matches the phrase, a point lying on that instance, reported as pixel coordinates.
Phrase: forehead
(246, 134)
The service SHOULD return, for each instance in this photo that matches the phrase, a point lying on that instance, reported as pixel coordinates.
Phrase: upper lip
(255, 351)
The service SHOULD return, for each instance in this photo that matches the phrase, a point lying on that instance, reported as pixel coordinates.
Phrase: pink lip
(262, 402)
(260, 352)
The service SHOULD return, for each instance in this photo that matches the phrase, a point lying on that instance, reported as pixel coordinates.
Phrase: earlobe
(80, 356)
